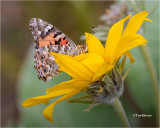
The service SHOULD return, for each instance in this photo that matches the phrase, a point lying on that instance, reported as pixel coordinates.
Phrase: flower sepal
(106, 90)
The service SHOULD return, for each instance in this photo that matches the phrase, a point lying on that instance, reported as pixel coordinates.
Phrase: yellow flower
(82, 68)
(88, 68)
(118, 43)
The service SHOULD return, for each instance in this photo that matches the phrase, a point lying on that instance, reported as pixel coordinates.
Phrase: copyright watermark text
(141, 115)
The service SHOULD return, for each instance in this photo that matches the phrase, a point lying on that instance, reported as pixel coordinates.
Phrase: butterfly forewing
(48, 39)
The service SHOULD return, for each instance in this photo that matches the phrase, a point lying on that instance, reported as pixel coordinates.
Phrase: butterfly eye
(41, 57)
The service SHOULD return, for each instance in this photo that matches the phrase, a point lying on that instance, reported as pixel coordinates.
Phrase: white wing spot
(39, 32)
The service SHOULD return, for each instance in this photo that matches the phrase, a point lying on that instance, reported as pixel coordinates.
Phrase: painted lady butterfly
(48, 38)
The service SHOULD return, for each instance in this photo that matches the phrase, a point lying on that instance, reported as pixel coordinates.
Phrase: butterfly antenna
(92, 31)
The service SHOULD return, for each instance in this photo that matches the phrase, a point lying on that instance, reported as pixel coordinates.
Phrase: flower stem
(119, 109)
(147, 57)
(149, 63)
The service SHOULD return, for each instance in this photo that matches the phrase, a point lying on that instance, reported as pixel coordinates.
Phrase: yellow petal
(44, 99)
(46, 102)
(130, 57)
(49, 110)
(47, 113)
(94, 45)
(31, 102)
(91, 60)
(127, 43)
(135, 23)
(72, 66)
(103, 70)
(68, 85)
(114, 36)
(58, 90)
(146, 19)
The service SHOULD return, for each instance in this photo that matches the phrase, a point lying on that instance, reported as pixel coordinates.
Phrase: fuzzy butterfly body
(48, 38)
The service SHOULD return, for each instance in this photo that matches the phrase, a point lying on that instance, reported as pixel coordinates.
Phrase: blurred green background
(20, 81)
